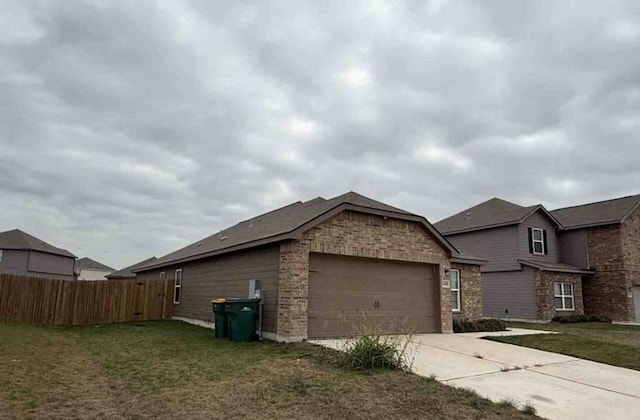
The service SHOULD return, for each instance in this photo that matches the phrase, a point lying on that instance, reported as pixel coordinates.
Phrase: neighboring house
(541, 263)
(605, 236)
(127, 272)
(525, 278)
(324, 268)
(26, 255)
(88, 269)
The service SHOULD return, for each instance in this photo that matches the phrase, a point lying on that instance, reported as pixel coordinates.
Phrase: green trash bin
(220, 316)
(242, 314)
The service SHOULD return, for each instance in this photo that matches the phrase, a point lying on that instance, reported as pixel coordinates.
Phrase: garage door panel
(346, 293)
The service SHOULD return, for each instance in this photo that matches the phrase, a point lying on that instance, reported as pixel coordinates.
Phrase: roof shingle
(87, 263)
(273, 224)
(128, 271)
(491, 213)
(596, 214)
(17, 239)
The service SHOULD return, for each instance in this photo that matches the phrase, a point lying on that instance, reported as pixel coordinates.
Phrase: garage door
(346, 293)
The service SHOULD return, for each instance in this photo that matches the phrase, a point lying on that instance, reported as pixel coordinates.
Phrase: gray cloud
(130, 129)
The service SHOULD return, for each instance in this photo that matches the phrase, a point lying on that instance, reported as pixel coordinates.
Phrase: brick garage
(352, 230)
(357, 235)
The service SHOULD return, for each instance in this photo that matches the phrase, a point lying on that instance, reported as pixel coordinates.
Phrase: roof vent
(199, 244)
(467, 216)
(224, 238)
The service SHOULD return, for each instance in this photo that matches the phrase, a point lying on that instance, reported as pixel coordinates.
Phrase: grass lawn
(613, 344)
(168, 369)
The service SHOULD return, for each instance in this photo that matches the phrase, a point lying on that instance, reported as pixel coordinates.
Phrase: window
(537, 241)
(163, 276)
(177, 286)
(563, 296)
(0, 255)
(454, 279)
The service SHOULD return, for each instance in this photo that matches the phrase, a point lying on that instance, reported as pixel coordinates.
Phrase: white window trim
(540, 241)
(564, 295)
(0, 255)
(459, 297)
(177, 286)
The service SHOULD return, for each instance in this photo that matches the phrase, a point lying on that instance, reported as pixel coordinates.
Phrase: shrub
(575, 318)
(371, 350)
(482, 325)
(529, 409)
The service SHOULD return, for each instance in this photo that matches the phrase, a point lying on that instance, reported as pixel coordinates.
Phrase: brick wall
(607, 291)
(544, 293)
(470, 292)
(359, 235)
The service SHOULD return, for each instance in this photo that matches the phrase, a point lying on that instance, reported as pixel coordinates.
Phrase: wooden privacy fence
(72, 302)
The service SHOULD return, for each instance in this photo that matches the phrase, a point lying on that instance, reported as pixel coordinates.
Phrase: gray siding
(499, 246)
(226, 276)
(14, 261)
(50, 265)
(512, 290)
(538, 220)
(573, 248)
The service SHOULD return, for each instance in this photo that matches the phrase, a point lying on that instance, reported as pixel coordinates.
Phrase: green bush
(461, 325)
(371, 350)
(572, 319)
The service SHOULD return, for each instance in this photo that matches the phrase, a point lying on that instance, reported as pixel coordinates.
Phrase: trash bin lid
(218, 300)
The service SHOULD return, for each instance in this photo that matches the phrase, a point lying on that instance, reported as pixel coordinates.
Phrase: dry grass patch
(172, 370)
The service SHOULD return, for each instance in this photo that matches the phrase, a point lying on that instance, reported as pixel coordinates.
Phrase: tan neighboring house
(26, 255)
(88, 269)
(326, 267)
(127, 272)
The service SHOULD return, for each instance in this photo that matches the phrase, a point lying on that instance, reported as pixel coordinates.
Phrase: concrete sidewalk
(559, 386)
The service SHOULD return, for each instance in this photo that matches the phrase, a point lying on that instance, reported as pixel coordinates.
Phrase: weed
(529, 409)
(478, 355)
(372, 350)
(507, 402)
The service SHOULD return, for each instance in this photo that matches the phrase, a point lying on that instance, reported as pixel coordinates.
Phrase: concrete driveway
(560, 387)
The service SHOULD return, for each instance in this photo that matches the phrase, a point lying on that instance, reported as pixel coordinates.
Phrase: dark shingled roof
(555, 266)
(597, 214)
(89, 264)
(127, 272)
(278, 225)
(491, 213)
(17, 239)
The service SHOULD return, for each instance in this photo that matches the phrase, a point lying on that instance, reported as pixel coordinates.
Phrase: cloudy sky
(129, 129)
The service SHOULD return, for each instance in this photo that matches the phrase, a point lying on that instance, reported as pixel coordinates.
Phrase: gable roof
(489, 214)
(89, 264)
(287, 222)
(597, 214)
(17, 239)
(128, 271)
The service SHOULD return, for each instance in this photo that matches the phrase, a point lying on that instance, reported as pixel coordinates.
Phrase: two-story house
(605, 236)
(541, 263)
(525, 277)
(26, 255)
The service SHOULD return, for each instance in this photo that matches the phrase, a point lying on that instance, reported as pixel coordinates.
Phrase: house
(26, 255)
(541, 264)
(324, 268)
(127, 272)
(525, 277)
(605, 236)
(88, 269)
